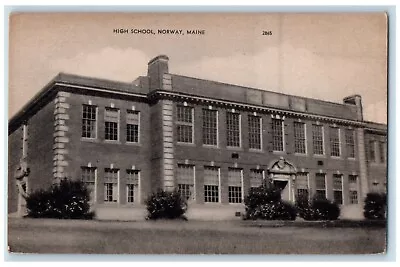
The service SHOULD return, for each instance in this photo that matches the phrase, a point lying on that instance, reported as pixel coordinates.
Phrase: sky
(326, 56)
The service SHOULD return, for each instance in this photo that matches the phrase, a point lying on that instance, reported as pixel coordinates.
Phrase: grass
(192, 237)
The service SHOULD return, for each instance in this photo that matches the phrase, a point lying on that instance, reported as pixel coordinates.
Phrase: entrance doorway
(283, 186)
(282, 175)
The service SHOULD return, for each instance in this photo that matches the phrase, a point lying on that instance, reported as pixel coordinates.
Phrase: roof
(194, 86)
(375, 127)
(71, 80)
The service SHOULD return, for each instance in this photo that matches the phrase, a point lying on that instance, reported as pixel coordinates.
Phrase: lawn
(189, 237)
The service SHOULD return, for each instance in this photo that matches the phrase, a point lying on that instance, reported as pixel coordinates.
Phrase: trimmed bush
(304, 209)
(166, 205)
(265, 203)
(66, 200)
(325, 209)
(375, 206)
(318, 210)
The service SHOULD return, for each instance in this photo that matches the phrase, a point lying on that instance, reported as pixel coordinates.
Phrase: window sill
(301, 154)
(216, 204)
(236, 204)
(234, 148)
(336, 157)
(133, 144)
(211, 146)
(256, 150)
(91, 140)
(185, 144)
(279, 152)
(319, 156)
(116, 142)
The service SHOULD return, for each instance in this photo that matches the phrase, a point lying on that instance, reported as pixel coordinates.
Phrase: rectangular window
(302, 186)
(132, 126)
(111, 119)
(299, 137)
(111, 185)
(210, 126)
(185, 181)
(382, 152)
(234, 185)
(277, 134)
(211, 184)
(184, 124)
(318, 139)
(337, 189)
(320, 186)
(88, 177)
(372, 151)
(334, 137)
(255, 133)
(132, 185)
(256, 178)
(89, 114)
(353, 189)
(233, 129)
(350, 143)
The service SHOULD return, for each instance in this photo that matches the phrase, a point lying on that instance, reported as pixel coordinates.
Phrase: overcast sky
(324, 56)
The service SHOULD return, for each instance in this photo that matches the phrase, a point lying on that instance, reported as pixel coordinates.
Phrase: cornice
(161, 94)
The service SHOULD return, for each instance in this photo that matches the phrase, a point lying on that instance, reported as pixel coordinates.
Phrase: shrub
(166, 205)
(325, 209)
(318, 209)
(375, 206)
(304, 209)
(265, 203)
(65, 200)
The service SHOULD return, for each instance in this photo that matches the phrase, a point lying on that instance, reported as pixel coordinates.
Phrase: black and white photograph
(197, 133)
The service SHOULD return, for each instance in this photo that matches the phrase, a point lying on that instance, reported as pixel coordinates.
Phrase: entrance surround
(282, 174)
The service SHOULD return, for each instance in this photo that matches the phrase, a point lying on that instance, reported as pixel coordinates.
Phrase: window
(185, 181)
(111, 185)
(184, 124)
(132, 126)
(382, 152)
(256, 178)
(277, 134)
(89, 121)
(211, 184)
(350, 144)
(334, 134)
(234, 185)
(111, 119)
(337, 189)
(372, 150)
(353, 189)
(318, 139)
(299, 137)
(255, 132)
(132, 185)
(320, 188)
(233, 129)
(210, 125)
(302, 186)
(88, 177)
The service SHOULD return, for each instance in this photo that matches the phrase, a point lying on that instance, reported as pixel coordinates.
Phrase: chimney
(157, 67)
(355, 100)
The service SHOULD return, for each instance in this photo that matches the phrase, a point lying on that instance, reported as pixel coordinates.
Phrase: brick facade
(57, 149)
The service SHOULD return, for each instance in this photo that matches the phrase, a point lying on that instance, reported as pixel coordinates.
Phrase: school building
(212, 141)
